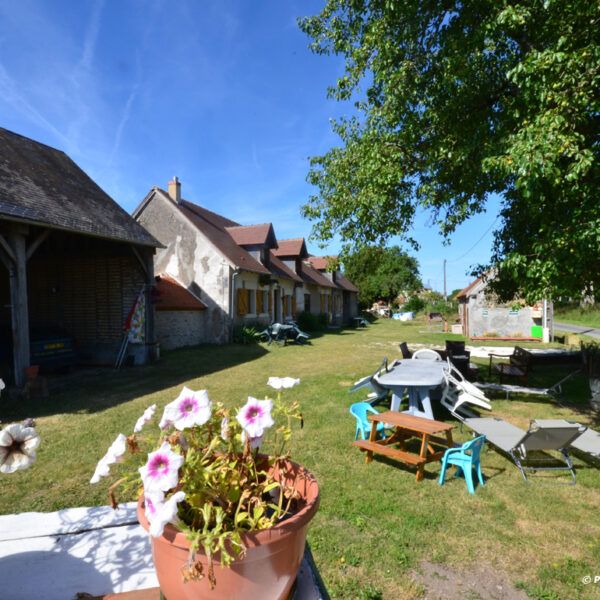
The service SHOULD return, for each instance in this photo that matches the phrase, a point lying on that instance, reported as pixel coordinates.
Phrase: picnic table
(406, 427)
(418, 377)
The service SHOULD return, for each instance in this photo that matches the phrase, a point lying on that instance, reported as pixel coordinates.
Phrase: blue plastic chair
(359, 411)
(465, 459)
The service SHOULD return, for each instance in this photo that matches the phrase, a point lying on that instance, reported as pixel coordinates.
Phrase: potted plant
(225, 520)
(590, 357)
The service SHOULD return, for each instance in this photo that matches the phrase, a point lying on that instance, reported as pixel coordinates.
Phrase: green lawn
(578, 316)
(376, 524)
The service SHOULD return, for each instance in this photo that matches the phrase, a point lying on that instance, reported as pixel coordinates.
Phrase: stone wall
(178, 328)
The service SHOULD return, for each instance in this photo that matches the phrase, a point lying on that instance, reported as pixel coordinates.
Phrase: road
(584, 330)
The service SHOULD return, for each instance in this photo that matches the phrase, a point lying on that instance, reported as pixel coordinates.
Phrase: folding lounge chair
(378, 393)
(588, 442)
(544, 435)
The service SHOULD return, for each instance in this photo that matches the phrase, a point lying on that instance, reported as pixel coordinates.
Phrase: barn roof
(41, 185)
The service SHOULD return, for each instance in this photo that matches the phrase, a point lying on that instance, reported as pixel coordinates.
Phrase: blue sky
(225, 95)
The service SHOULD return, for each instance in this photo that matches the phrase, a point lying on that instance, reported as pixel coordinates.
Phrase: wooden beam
(19, 309)
(143, 262)
(39, 240)
(6, 247)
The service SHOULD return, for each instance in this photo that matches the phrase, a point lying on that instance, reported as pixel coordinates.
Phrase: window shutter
(294, 305)
(242, 302)
(270, 303)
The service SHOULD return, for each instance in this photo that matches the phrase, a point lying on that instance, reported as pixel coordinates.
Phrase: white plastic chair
(427, 354)
(459, 392)
(378, 393)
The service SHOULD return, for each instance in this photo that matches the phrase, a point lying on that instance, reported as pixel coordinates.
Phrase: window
(307, 302)
(252, 301)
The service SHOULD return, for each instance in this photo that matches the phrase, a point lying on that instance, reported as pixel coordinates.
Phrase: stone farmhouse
(240, 274)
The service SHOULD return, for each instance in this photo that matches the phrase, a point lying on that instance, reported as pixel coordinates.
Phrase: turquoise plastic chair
(359, 411)
(465, 459)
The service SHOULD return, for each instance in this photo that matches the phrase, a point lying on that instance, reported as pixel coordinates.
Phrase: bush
(414, 304)
(308, 322)
(245, 334)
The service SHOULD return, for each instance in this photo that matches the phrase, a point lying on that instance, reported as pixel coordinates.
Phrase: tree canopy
(459, 100)
(382, 273)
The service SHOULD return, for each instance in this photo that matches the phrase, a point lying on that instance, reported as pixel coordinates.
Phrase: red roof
(314, 277)
(321, 263)
(172, 295)
(465, 291)
(280, 269)
(291, 248)
(346, 284)
(253, 235)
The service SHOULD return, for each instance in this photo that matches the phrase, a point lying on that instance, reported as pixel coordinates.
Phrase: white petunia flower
(225, 428)
(165, 512)
(279, 383)
(17, 447)
(253, 442)
(2, 385)
(188, 409)
(113, 455)
(161, 472)
(255, 416)
(145, 418)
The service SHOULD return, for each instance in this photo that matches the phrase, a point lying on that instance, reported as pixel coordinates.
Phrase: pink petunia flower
(164, 512)
(113, 455)
(255, 416)
(279, 383)
(160, 473)
(145, 418)
(188, 409)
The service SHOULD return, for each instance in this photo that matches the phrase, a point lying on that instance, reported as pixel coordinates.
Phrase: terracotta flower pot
(268, 569)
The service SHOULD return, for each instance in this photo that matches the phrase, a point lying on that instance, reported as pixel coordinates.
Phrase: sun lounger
(378, 393)
(544, 435)
(588, 442)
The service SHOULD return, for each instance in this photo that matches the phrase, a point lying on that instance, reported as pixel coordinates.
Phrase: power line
(475, 244)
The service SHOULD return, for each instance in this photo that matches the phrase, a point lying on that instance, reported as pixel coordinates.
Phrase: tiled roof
(292, 248)
(279, 269)
(172, 295)
(321, 263)
(346, 284)
(253, 235)
(465, 291)
(313, 277)
(42, 185)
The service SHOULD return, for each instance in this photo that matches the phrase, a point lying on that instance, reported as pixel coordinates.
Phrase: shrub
(245, 334)
(308, 322)
(414, 304)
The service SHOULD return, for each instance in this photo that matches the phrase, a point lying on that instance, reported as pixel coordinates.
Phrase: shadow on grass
(93, 390)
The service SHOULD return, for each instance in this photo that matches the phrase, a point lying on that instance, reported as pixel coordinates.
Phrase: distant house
(71, 259)
(482, 317)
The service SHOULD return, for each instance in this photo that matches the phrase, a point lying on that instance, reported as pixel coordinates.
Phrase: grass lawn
(376, 525)
(578, 316)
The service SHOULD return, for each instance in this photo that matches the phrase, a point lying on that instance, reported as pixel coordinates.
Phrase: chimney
(175, 190)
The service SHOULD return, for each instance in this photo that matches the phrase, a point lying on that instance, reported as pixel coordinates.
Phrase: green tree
(382, 273)
(459, 100)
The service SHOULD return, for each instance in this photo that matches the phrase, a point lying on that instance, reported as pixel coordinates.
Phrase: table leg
(449, 439)
(372, 438)
(423, 393)
(422, 454)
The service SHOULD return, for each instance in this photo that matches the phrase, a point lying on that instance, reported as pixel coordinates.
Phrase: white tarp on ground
(53, 556)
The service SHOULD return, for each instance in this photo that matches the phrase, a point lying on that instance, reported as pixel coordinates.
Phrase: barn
(75, 268)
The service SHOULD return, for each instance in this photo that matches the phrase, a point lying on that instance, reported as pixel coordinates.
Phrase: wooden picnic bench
(519, 365)
(406, 427)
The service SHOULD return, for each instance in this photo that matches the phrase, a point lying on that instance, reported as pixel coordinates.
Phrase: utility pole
(445, 294)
